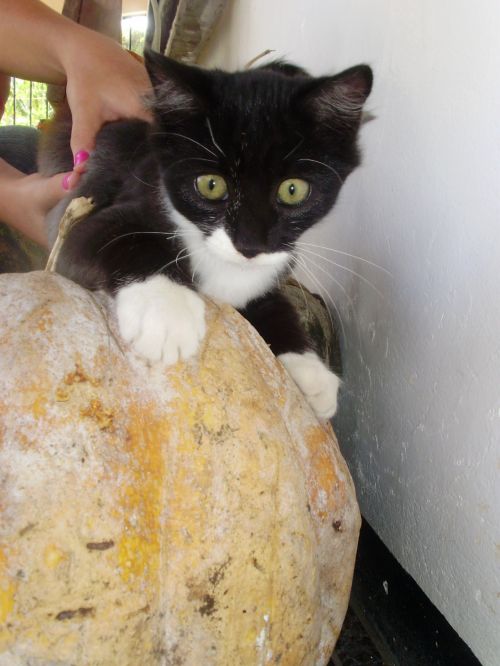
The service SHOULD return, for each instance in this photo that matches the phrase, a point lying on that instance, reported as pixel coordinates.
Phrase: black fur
(255, 128)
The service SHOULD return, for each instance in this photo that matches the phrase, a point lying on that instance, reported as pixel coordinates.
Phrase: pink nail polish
(81, 156)
(65, 182)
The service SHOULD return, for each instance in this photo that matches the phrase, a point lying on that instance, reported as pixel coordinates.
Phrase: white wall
(420, 415)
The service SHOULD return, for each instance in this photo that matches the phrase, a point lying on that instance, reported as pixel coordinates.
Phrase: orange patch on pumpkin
(7, 591)
(323, 478)
(142, 495)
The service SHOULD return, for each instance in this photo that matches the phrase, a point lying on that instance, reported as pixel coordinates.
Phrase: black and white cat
(209, 200)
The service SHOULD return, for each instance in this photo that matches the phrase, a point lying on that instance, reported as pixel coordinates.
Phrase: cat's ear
(176, 87)
(339, 97)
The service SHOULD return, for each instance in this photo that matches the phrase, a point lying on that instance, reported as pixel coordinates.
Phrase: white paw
(162, 320)
(318, 384)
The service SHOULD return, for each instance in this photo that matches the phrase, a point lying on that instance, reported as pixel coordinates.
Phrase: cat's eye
(212, 187)
(293, 191)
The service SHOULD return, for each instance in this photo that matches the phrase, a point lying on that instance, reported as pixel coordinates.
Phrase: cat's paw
(318, 384)
(162, 320)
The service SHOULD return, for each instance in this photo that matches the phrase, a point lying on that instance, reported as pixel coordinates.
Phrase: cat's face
(251, 160)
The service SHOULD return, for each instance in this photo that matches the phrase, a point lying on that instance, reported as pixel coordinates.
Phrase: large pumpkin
(192, 515)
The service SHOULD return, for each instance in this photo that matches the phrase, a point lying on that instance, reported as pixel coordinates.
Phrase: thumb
(53, 191)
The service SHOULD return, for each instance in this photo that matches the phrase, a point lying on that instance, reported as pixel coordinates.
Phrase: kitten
(210, 200)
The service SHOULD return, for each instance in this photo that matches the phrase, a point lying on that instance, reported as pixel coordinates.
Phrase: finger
(80, 160)
(73, 180)
(54, 190)
(70, 181)
(83, 135)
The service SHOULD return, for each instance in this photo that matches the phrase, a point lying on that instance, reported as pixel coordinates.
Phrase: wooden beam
(103, 16)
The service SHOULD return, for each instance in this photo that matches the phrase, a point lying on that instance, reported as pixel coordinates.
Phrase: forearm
(30, 34)
(10, 204)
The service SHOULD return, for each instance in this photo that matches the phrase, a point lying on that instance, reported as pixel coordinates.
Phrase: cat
(209, 200)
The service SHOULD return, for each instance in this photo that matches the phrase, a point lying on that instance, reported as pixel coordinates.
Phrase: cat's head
(252, 159)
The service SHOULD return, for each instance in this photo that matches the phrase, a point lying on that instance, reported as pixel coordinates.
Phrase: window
(134, 32)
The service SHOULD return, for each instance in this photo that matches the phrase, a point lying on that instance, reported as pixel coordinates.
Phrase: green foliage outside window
(29, 108)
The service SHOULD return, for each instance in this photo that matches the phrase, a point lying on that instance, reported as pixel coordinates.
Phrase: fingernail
(81, 156)
(65, 182)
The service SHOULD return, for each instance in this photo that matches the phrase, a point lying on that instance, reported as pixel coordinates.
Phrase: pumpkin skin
(184, 515)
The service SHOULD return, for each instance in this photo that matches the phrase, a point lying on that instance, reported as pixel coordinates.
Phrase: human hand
(104, 83)
(26, 200)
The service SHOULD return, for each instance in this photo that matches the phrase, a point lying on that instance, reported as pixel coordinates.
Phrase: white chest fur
(220, 271)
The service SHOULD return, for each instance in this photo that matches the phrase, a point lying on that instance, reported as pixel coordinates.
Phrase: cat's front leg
(276, 320)
(161, 319)
(317, 382)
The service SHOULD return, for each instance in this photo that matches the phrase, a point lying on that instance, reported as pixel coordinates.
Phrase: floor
(390, 621)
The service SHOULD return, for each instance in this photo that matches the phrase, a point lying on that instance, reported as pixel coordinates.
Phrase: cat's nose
(250, 241)
(249, 252)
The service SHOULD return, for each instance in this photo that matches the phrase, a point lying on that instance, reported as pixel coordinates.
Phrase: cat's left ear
(339, 97)
(176, 87)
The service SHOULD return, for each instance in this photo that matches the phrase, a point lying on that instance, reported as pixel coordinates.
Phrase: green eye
(212, 187)
(293, 191)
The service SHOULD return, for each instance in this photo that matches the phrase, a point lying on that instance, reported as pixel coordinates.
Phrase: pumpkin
(197, 514)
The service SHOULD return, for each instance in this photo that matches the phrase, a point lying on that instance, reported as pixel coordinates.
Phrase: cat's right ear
(339, 98)
(176, 87)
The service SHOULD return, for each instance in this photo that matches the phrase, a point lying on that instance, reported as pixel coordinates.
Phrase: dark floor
(390, 621)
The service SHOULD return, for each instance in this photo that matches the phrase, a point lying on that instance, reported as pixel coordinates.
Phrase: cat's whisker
(209, 125)
(356, 320)
(166, 234)
(176, 260)
(187, 256)
(330, 276)
(345, 268)
(346, 254)
(188, 159)
(179, 256)
(167, 111)
(322, 289)
(304, 297)
(297, 253)
(350, 301)
(301, 141)
(327, 166)
(344, 291)
(151, 185)
(195, 267)
(188, 138)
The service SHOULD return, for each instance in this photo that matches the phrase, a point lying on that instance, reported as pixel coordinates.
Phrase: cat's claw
(318, 384)
(162, 320)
